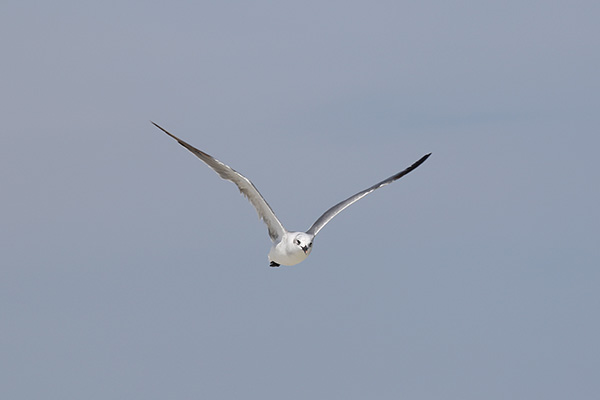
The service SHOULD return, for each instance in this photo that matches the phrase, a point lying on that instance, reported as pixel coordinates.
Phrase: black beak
(304, 249)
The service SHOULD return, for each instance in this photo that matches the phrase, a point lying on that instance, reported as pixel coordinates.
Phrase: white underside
(282, 256)
(286, 253)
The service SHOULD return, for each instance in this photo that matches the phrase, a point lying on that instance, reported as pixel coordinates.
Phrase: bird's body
(292, 248)
(289, 248)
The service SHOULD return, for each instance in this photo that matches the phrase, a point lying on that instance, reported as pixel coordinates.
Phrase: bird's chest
(286, 254)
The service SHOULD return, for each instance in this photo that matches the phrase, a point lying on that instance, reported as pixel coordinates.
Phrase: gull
(289, 248)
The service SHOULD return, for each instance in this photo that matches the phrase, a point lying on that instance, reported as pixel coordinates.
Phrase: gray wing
(335, 210)
(276, 230)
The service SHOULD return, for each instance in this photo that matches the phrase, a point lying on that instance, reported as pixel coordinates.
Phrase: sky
(128, 269)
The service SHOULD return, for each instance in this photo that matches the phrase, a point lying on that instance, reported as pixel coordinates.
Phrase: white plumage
(289, 248)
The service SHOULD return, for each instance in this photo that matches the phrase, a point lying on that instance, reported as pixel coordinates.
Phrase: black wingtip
(411, 168)
(159, 127)
(419, 161)
(166, 131)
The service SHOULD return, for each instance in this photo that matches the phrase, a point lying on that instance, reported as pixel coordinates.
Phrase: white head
(303, 241)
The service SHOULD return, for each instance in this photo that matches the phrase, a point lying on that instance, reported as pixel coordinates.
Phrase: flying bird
(289, 248)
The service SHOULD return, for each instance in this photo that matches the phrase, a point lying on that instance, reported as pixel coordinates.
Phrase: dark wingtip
(412, 167)
(158, 126)
(165, 131)
(420, 161)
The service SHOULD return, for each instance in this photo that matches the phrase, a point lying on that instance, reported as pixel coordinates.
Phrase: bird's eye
(310, 245)
(297, 242)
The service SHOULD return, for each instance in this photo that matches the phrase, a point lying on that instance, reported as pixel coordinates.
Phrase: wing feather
(335, 210)
(247, 188)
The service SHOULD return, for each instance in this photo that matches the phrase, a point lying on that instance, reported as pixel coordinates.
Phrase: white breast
(286, 253)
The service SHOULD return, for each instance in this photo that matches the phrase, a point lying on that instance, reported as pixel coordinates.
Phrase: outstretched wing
(335, 210)
(265, 212)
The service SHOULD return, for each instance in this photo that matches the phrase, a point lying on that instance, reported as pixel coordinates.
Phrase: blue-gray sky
(129, 270)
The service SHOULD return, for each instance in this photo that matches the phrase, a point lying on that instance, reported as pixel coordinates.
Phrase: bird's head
(304, 242)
